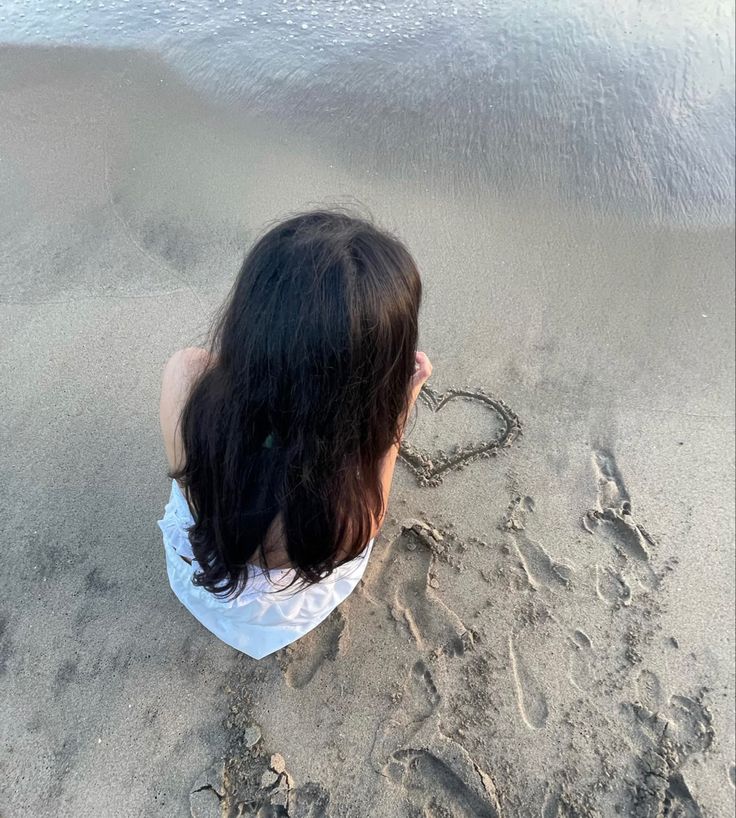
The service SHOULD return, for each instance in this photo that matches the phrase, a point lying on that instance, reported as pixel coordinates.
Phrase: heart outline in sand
(429, 470)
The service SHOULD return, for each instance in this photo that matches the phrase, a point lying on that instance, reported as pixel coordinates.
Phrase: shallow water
(621, 106)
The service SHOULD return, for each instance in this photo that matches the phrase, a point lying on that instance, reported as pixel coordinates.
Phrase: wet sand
(543, 631)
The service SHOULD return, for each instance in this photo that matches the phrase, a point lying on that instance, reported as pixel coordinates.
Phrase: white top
(264, 617)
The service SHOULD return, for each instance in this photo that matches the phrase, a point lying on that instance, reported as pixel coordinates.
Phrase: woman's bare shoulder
(185, 365)
(179, 374)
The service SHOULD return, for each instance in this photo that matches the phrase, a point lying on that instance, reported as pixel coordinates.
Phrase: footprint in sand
(418, 701)
(308, 655)
(611, 587)
(540, 568)
(612, 520)
(532, 702)
(582, 661)
(424, 690)
(649, 690)
(694, 722)
(403, 583)
(310, 800)
(436, 775)
(567, 802)
(433, 788)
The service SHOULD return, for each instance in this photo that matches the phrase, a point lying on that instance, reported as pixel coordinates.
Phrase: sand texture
(545, 628)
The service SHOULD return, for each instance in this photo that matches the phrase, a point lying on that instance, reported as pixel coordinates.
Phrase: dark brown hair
(312, 356)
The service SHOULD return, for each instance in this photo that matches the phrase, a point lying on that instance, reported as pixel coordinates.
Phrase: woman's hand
(422, 372)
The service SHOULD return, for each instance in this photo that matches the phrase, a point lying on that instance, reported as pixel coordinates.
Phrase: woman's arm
(422, 372)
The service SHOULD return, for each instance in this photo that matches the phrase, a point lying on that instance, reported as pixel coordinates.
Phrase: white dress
(264, 617)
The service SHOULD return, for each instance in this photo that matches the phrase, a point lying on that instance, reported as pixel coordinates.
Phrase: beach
(546, 624)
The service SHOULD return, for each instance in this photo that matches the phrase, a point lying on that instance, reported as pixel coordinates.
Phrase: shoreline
(456, 170)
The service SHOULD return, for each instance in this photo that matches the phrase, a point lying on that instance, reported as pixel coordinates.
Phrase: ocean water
(614, 105)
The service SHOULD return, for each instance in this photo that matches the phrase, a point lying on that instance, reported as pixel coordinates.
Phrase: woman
(282, 436)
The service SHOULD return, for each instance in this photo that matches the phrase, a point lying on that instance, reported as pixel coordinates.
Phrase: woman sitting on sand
(283, 437)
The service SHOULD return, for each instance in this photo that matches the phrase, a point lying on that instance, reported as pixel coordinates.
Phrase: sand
(546, 625)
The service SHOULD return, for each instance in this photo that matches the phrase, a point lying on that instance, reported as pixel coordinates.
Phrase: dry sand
(545, 631)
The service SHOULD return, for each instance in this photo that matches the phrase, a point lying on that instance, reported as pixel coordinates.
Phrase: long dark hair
(312, 354)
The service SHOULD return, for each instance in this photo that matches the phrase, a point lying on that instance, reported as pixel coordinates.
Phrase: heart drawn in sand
(428, 468)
